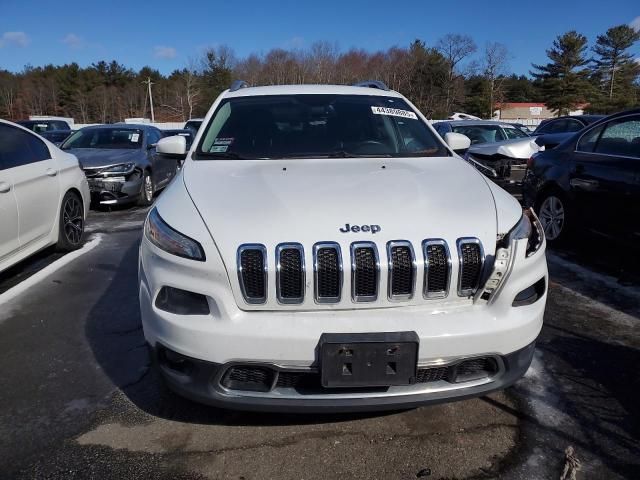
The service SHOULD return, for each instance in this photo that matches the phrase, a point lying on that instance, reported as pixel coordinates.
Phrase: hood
(308, 201)
(518, 148)
(104, 157)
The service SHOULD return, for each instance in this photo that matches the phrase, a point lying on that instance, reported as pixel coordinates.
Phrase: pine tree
(616, 71)
(564, 80)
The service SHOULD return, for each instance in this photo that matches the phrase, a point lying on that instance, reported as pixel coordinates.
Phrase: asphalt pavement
(78, 399)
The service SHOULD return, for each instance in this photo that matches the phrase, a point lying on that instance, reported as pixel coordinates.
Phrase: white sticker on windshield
(223, 141)
(134, 137)
(219, 148)
(394, 112)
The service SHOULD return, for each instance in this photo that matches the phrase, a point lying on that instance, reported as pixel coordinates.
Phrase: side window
(546, 127)
(588, 141)
(559, 126)
(574, 125)
(18, 147)
(621, 137)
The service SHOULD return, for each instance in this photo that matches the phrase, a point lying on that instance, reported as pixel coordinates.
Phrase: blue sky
(164, 35)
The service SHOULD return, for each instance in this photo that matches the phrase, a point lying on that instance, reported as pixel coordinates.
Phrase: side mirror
(175, 146)
(457, 142)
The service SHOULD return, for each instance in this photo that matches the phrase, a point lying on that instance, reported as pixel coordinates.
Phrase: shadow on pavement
(114, 332)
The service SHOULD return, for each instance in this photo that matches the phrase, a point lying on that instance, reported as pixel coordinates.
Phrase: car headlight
(170, 240)
(122, 168)
(528, 227)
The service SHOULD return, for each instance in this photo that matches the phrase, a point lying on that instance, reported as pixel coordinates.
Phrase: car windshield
(308, 126)
(116, 138)
(480, 133)
(38, 127)
(514, 132)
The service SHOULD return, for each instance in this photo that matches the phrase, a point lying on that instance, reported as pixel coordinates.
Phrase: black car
(56, 131)
(566, 124)
(40, 126)
(591, 180)
(121, 162)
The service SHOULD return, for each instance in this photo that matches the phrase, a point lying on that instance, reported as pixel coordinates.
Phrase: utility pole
(149, 83)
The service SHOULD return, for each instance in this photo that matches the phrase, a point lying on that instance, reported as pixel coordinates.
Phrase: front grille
(471, 258)
(365, 272)
(249, 378)
(437, 268)
(291, 280)
(290, 273)
(252, 272)
(433, 374)
(402, 270)
(328, 272)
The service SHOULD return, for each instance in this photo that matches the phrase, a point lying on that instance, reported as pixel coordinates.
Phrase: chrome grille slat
(365, 272)
(290, 273)
(402, 270)
(327, 272)
(252, 272)
(437, 268)
(471, 262)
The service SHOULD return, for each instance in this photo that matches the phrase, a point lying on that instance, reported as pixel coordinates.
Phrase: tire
(146, 190)
(71, 223)
(555, 216)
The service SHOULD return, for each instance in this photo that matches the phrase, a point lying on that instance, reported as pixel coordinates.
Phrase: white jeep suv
(324, 249)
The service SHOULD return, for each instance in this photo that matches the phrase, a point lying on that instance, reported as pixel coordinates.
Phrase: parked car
(325, 249)
(480, 131)
(44, 196)
(40, 126)
(566, 124)
(504, 162)
(186, 133)
(193, 125)
(121, 162)
(591, 180)
(56, 131)
(57, 137)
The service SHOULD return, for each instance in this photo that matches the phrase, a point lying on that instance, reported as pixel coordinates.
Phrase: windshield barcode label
(394, 112)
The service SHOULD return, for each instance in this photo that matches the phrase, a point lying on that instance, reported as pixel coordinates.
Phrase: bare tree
(494, 65)
(454, 48)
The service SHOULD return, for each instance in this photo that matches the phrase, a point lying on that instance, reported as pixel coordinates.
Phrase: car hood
(518, 148)
(311, 200)
(104, 157)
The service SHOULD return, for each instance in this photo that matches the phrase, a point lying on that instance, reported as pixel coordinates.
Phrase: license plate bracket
(381, 359)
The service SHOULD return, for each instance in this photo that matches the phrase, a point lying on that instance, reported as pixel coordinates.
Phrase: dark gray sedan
(121, 163)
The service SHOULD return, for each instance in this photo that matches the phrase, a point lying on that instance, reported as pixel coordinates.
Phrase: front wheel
(146, 190)
(71, 221)
(552, 212)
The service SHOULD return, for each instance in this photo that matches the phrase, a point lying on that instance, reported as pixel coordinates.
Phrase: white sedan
(44, 196)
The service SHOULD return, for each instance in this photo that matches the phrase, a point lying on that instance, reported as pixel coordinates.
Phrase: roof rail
(237, 85)
(372, 84)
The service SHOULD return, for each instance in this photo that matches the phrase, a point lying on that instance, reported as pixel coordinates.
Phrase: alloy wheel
(551, 216)
(73, 220)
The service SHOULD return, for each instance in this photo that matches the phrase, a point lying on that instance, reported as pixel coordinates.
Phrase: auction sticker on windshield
(134, 137)
(394, 112)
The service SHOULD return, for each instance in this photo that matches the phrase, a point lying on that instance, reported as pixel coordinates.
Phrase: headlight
(171, 241)
(121, 168)
(528, 227)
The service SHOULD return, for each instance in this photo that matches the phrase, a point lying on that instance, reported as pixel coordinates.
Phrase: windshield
(514, 132)
(299, 126)
(480, 133)
(116, 138)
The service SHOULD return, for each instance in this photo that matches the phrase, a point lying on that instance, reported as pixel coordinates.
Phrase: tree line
(451, 75)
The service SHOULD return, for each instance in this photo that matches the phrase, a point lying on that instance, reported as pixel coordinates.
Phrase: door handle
(584, 184)
(5, 187)
(51, 172)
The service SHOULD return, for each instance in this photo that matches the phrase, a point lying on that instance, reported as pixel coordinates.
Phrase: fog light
(530, 294)
(174, 361)
(181, 302)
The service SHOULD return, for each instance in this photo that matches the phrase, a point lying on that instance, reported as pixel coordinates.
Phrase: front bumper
(115, 190)
(203, 383)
